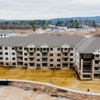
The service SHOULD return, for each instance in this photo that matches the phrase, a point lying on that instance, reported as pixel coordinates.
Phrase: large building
(45, 51)
(5, 34)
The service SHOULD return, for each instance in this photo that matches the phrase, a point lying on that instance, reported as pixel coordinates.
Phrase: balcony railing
(97, 58)
(96, 65)
(19, 49)
(20, 60)
(19, 55)
(65, 56)
(31, 56)
(86, 71)
(97, 71)
(45, 61)
(31, 61)
(64, 61)
(44, 50)
(44, 56)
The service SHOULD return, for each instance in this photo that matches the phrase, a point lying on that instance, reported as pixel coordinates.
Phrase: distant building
(51, 27)
(5, 33)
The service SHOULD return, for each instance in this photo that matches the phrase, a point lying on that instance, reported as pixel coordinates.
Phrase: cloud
(47, 9)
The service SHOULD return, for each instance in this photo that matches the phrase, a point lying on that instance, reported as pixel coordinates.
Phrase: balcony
(18, 49)
(44, 56)
(64, 50)
(45, 61)
(31, 61)
(96, 65)
(86, 71)
(96, 71)
(31, 56)
(19, 55)
(64, 56)
(32, 50)
(44, 50)
(1, 50)
(20, 60)
(97, 58)
(1, 55)
(64, 61)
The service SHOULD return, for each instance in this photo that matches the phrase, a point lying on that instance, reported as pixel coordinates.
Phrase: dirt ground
(14, 93)
(56, 91)
(64, 77)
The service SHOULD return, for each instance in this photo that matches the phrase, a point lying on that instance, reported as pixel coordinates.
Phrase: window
(96, 68)
(87, 56)
(31, 54)
(13, 63)
(25, 59)
(58, 65)
(86, 76)
(65, 54)
(51, 54)
(25, 48)
(71, 49)
(44, 49)
(13, 58)
(38, 65)
(1, 58)
(0, 53)
(7, 63)
(38, 49)
(51, 49)
(6, 48)
(58, 59)
(51, 59)
(31, 48)
(25, 54)
(96, 55)
(20, 48)
(58, 54)
(6, 58)
(71, 59)
(6, 53)
(65, 59)
(38, 59)
(38, 54)
(65, 49)
(0, 48)
(96, 62)
(58, 49)
(13, 48)
(71, 54)
(71, 64)
(26, 64)
(51, 65)
(13, 53)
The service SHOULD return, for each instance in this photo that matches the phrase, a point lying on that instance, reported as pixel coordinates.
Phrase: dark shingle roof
(40, 39)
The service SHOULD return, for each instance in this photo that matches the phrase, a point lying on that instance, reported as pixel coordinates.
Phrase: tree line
(34, 24)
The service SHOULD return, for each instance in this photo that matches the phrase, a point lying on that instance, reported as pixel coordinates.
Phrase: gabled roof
(73, 40)
(39, 39)
(94, 45)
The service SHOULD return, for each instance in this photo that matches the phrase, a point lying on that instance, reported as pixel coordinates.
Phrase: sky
(48, 9)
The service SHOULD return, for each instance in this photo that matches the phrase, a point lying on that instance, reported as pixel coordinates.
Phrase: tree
(32, 23)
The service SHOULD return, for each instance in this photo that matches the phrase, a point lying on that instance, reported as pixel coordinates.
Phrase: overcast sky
(48, 9)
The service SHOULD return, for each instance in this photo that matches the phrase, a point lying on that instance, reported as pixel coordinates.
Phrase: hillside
(96, 18)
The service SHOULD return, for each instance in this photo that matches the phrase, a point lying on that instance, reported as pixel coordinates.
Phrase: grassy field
(63, 77)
